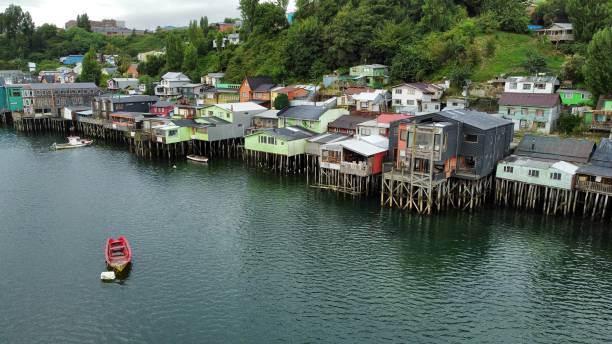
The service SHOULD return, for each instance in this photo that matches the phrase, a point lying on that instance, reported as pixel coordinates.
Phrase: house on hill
(531, 111)
(171, 84)
(257, 89)
(558, 32)
(531, 84)
(416, 97)
(375, 75)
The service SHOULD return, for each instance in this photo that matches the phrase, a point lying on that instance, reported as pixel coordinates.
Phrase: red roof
(530, 99)
(392, 117)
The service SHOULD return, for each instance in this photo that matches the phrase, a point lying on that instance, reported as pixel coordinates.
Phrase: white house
(369, 101)
(143, 57)
(531, 84)
(212, 79)
(171, 84)
(416, 97)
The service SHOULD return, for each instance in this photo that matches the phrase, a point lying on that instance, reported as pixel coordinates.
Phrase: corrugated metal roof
(554, 148)
(377, 140)
(603, 154)
(76, 85)
(289, 133)
(530, 99)
(256, 81)
(348, 122)
(308, 112)
(597, 171)
(362, 147)
(328, 138)
(130, 99)
(476, 119)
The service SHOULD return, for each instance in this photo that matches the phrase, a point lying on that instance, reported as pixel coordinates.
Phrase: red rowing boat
(118, 253)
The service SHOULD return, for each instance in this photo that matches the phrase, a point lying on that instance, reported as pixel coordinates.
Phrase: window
(534, 173)
(398, 91)
(271, 140)
(526, 87)
(540, 86)
(471, 138)
(409, 102)
(524, 111)
(397, 102)
(172, 132)
(403, 135)
(15, 93)
(540, 125)
(555, 176)
(382, 132)
(508, 169)
(437, 138)
(513, 86)
(365, 132)
(410, 91)
(539, 112)
(436, 106)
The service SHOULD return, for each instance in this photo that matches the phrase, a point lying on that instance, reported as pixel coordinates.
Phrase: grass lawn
(510, 53)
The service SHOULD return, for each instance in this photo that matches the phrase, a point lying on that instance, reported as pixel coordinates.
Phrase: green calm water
(226, 254)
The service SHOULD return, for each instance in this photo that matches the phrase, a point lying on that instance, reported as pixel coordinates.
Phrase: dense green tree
(219, 41)
(248, 10)
(510, 14)
(438, 15)
(174, 52)
(550, 11)
(204, 25)
(573, 68)
(83, 22)
(152, 66)
(598, 66)
(348, 36)
(589, 16)
(91, 68)
(190, 59)
(123, 63)
(568, 123)
(269, 19)
(303, 45)
(409, 64)
(281, 101)
(535, 62)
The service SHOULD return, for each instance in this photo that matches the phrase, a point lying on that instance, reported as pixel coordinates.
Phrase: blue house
(72, 59)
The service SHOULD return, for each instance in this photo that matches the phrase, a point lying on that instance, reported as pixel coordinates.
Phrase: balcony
(594, 187)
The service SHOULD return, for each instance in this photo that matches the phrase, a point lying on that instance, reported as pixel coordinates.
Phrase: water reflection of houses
(444, 159)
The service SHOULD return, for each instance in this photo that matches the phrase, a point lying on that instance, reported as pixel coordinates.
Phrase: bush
(281, 101)
(569, 123)
(535, 62)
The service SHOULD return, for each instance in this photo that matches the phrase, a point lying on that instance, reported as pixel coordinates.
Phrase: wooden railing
(594, 187)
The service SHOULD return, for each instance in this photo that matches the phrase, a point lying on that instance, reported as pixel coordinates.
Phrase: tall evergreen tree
(83, 22)
(91, 68)
(174, 52)
(588, 16)
(598, 66)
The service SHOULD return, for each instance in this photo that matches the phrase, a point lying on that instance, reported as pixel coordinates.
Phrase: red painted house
(162, 108)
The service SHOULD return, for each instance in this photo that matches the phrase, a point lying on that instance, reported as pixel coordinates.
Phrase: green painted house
(289, 141)
(313, 118)
(14, 97)
(171, 133)
(376, 75)
(575, 97)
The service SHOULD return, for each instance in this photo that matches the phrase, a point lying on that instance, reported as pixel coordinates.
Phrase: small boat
(197, 158)
(118, 253)
(73, 142)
